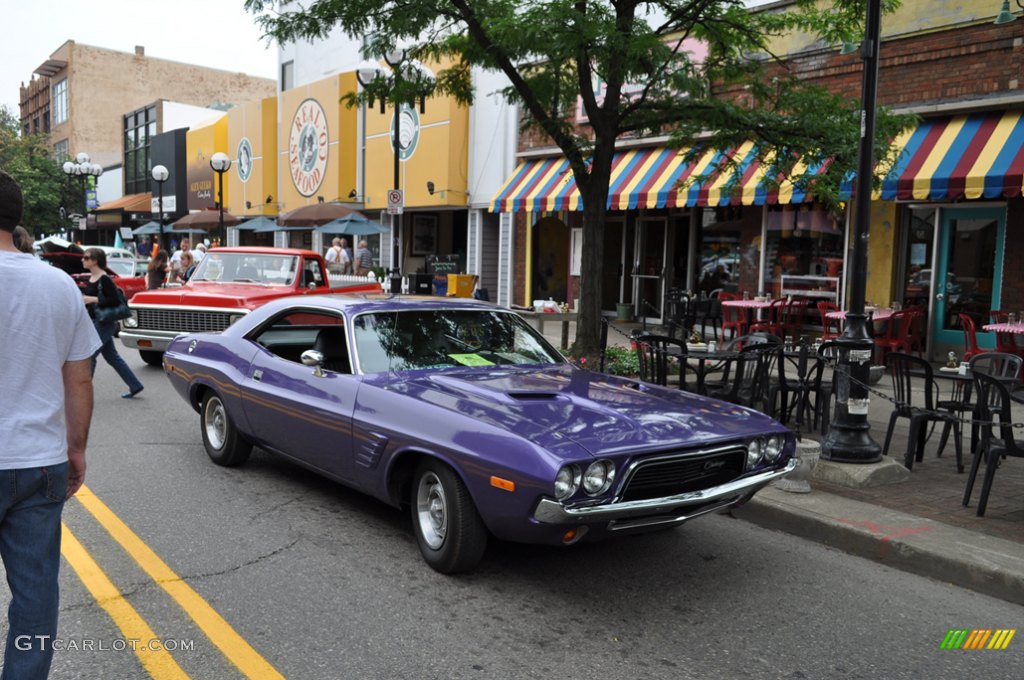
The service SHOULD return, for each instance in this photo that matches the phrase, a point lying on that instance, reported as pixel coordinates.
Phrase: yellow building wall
(439, 155)
(913, 16)
(300, 110)
(252, 146)
(200, 144)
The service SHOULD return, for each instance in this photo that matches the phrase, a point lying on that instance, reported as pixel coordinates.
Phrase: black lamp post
(401, 73)
(849, 437)
(83, 168)
(220, 164)
(160, 175)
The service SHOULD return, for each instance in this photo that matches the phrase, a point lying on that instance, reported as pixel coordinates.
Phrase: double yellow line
(159, 663)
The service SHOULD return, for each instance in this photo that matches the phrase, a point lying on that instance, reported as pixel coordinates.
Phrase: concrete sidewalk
(917, 525)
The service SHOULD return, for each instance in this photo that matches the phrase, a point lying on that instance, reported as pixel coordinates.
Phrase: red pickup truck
(227, 284)
(71, 262)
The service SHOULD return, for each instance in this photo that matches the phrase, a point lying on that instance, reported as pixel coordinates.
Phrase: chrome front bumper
(659, 511)
(138, 338)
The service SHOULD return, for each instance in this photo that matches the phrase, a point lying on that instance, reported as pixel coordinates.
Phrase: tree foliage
(556, 52)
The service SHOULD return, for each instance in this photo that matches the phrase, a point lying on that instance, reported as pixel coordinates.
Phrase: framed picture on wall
(424, 235)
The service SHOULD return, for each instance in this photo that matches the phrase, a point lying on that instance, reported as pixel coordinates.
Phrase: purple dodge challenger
(460, 411)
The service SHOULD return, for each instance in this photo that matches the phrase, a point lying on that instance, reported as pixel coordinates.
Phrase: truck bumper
(156, 341)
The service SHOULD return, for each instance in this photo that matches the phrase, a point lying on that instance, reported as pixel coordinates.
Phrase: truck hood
(230, 295)
(601, 413)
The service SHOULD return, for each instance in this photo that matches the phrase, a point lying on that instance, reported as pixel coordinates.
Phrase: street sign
(396, 201)
(170, 204)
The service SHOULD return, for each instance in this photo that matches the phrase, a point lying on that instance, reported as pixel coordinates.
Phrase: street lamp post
(849, 437)
(220, 164)
(82, 168)
(393, 84)
(160, 175)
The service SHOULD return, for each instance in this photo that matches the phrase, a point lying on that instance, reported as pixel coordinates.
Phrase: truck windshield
(274, 270)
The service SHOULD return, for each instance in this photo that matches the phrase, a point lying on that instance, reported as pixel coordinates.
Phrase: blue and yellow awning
(970, 156)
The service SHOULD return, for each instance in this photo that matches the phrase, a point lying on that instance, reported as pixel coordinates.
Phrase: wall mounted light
(352, 194)
(1005, 16)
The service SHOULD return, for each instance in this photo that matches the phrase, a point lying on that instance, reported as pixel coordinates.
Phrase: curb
(965, 558)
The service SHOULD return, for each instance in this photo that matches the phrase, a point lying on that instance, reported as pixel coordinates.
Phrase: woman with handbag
(105, 307)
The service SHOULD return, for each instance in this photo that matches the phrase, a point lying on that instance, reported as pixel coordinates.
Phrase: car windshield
(442, 338)
(247, 268)
(122, 267)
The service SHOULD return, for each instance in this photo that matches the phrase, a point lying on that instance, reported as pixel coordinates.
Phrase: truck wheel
(152, 357)
(448, 528)
(224, 445)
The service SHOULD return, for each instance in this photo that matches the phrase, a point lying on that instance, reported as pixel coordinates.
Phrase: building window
(804, 247)
(287, 75)
(137, 161)
(46, 122)
(61, 151)
(60, 102)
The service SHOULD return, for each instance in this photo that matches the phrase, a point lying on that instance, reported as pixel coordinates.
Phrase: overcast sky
(214, 33)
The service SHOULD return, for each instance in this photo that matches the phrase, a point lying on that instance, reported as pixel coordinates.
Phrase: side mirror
(312, 357)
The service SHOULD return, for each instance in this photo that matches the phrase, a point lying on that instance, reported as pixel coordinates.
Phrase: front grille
(671, 476)
(182, 321)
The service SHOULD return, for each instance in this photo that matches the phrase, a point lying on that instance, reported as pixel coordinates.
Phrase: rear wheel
(448, 528)
(224, 445)
(152, 357)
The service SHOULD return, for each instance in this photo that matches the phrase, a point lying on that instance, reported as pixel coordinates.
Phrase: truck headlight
(233, 318)
(567, 482)
(132, 321)
(598, 477)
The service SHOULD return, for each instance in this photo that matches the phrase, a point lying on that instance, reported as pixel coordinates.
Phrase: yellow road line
(158, 662)
(231, 644)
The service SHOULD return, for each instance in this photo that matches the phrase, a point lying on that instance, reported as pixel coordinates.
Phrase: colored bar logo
(978, 638)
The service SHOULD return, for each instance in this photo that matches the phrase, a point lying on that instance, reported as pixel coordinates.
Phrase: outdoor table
(751, 307)
(697, 360)
(877, 316)
(542, 317)
(1017, 328)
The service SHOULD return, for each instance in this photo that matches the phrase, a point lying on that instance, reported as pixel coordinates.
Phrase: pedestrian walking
(364, 259)
(45, 409)
(346, 258)
(101, 291)
(156, 271)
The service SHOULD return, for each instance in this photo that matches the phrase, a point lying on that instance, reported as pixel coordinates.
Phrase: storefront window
(803, 253)
(720, 251)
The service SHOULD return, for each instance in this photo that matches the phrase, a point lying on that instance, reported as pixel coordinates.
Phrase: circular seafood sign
(408, 131)
(244, 163)
(307, 147)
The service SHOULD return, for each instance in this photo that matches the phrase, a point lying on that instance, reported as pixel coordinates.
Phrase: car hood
(241, 295)
(601, 413)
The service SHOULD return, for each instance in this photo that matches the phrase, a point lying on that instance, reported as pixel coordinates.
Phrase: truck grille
(671, 476)
(182, 321)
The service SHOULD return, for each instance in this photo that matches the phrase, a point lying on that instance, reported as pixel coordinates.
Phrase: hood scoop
(533, 395)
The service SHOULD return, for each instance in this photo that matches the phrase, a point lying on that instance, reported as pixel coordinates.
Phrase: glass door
(649, 269)
(968, 274)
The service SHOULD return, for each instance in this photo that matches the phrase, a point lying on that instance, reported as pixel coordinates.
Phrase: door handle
(257, 375)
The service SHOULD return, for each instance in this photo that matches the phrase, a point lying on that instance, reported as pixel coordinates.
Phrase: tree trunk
(594, 192)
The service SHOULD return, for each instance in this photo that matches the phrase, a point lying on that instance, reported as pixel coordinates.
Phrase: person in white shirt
(176, 258)
(46, 404)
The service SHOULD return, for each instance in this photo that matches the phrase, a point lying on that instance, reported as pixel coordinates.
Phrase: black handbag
(110, 314)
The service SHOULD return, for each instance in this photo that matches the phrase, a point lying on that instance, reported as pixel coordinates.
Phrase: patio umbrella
(315, 215)
(352, 225)
(204, 219)
(259, 224)
(147, 229)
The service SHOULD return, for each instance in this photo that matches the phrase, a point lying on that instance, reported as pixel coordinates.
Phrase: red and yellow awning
(970, 156)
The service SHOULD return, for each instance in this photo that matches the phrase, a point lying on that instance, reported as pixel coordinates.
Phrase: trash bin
(461, 285)
(421, 284)
(440, 285)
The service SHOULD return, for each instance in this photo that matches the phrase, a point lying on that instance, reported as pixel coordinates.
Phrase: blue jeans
(31, 500)
(109, 352)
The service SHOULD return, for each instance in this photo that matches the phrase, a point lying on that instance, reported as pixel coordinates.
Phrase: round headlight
(754, 452)
(773, 448)
(598, 477)
(567, 482)
(132, 321)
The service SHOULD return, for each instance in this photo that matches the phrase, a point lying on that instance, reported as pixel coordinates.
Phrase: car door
(292, 409)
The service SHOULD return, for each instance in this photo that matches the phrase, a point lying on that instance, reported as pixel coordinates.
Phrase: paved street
(314, 581)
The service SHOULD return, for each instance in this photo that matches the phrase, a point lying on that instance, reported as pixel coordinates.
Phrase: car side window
(292, 333)
(313, 273)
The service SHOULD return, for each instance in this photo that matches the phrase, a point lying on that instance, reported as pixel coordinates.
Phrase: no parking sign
(395, 201)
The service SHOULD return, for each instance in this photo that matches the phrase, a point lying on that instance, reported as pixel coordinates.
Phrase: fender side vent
(368, 450)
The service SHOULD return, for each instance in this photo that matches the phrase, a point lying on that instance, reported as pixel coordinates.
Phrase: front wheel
(152, 357)
(448, 528)
(224, 445)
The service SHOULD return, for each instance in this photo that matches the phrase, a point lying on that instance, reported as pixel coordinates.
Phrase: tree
(554, 52)
(29, 160)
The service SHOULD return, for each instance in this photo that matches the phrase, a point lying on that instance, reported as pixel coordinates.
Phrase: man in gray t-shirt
(47, 341)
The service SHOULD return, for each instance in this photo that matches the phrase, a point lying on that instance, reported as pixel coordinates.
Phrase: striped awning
(972, 156)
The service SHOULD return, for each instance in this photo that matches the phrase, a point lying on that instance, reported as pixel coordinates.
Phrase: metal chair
(656, 355)
(827, 324)
(1004, 367)
(904, 368)
(970, 337)
(994, 395)
(733, 318)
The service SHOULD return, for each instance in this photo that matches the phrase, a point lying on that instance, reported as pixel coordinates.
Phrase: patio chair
(995, 397)
(797, 380)
(733, 318)
(1004, 367)
(750, 376)
(970, 337)
(772, 323)
(791, 319)
(916, 334)
(657, 354)
(681, 310)
(897, 336)
(831, 328)
(904, 368)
